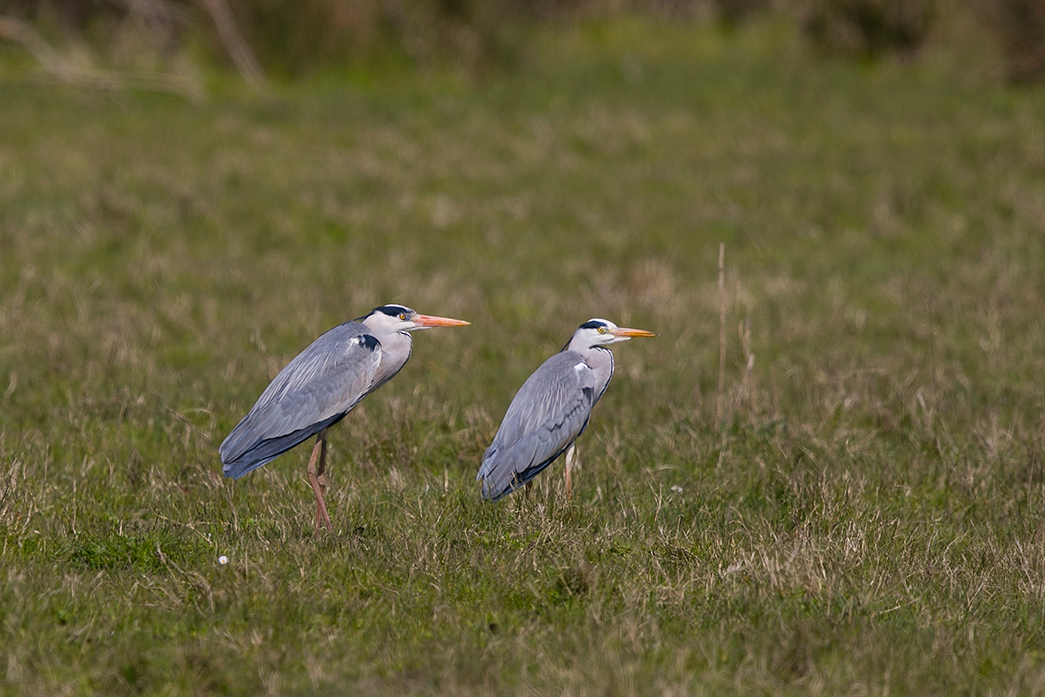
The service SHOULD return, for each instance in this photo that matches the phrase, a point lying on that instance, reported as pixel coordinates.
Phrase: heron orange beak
(429, 321)
(625, 331)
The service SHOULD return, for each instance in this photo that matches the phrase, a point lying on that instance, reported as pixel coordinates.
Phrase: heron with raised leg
(319, 387)
(552, 409)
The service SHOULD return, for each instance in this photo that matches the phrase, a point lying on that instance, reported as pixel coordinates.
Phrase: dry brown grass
(1020, 28)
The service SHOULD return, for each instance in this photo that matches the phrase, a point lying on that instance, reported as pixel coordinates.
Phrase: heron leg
(571, 459)
(318, 481)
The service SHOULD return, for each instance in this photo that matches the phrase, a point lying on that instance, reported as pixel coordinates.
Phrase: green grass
(867, 519)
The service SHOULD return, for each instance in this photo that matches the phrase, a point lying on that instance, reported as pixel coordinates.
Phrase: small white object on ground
(223, 560)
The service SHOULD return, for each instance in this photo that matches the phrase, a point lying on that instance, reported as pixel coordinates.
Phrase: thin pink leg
(571, 458)
(318, 481)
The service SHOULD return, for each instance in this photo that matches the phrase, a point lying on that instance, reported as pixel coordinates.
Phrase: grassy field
(867, 518)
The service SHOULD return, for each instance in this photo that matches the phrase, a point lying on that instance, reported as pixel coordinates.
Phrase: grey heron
(319, 387)
(551, 409)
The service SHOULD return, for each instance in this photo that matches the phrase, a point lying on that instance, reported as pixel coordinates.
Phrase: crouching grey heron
(319, 387)
(551, 410)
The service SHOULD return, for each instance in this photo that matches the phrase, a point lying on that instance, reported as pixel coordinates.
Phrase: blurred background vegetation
(276, 39)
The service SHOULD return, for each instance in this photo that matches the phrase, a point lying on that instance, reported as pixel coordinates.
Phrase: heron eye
(602, 330)
(402, 315)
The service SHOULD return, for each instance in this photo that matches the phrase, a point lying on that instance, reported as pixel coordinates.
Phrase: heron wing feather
(547, 414)
(319, 386)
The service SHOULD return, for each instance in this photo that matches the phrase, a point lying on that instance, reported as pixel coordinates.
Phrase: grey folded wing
(547, 414)
(315, 390)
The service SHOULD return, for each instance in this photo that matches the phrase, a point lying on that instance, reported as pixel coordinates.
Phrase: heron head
(600, 332)
(398, 318)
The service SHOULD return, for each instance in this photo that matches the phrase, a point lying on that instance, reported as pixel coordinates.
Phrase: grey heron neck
(600, 360)
(395, 351)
